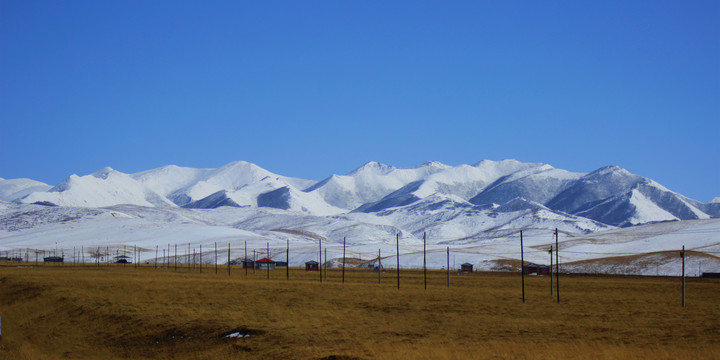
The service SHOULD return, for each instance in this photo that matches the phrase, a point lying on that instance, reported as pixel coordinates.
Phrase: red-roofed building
(264, 264)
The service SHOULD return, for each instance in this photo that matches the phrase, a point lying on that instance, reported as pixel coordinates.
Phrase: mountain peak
(104, 172)
(373, 166)
(435, 164)
(715, 200)
(238, 164)
(611, 169)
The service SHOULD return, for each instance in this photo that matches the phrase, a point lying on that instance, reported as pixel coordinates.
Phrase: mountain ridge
(609, 195)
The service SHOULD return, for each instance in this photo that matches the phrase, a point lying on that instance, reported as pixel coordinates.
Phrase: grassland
(65, 312)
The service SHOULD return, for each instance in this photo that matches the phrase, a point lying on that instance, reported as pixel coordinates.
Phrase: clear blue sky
(311, 88)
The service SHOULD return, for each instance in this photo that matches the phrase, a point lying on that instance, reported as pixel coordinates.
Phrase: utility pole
(448, 267)
(326, 264)
(343, 266)
(424, 261)
(379, 268)
(682, 255)
(320, 262)
(522, 266)
(551, 269)
(268, 264)
(245, 260)
(397, 249)
(557, 266)
(287, 259)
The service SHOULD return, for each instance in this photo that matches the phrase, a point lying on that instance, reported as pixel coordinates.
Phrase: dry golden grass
(63, 312)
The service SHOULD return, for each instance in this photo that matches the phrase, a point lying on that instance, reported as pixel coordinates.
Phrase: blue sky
(311, 88)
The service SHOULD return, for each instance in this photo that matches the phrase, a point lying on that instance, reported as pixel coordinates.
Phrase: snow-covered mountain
(370, 182)
(185, 185)
(16, 188)
(485, 237)
(607, 196)
(476, 210)
(463, 181)
(105, 187)
(614, 196)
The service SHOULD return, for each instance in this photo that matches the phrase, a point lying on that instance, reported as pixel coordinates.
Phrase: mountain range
(609, 196)
(477, 212)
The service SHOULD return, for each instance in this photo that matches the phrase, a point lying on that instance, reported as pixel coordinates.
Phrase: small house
(311, 265)
(466, 268)
(122, 259)
(248, 263)
(535, 269)
(53, 259)
(265, 264)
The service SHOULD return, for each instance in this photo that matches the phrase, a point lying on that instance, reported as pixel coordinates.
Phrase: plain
(113, 312)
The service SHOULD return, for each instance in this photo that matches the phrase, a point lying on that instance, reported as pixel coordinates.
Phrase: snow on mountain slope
(168, 179)
(539, 184)
(463, 181)
(109, 228)
(289, 198)
(268, 192)
(452, 220)
(594, 187)
(24, 226)
(105, 187)
(610, 195)
(712, 208)
(466, 181)
(185, 185)
(614, 196)
(370, 183)
(13, 189)
(695, 235)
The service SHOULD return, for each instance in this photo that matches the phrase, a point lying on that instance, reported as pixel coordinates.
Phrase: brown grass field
(75, 312)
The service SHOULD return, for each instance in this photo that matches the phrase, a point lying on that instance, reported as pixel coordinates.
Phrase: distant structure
(265, 264)
(122, 259)
(466, 268)
(248, 263)
(5, 258)
(535, 269)
(53, 259)
(311, 265)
